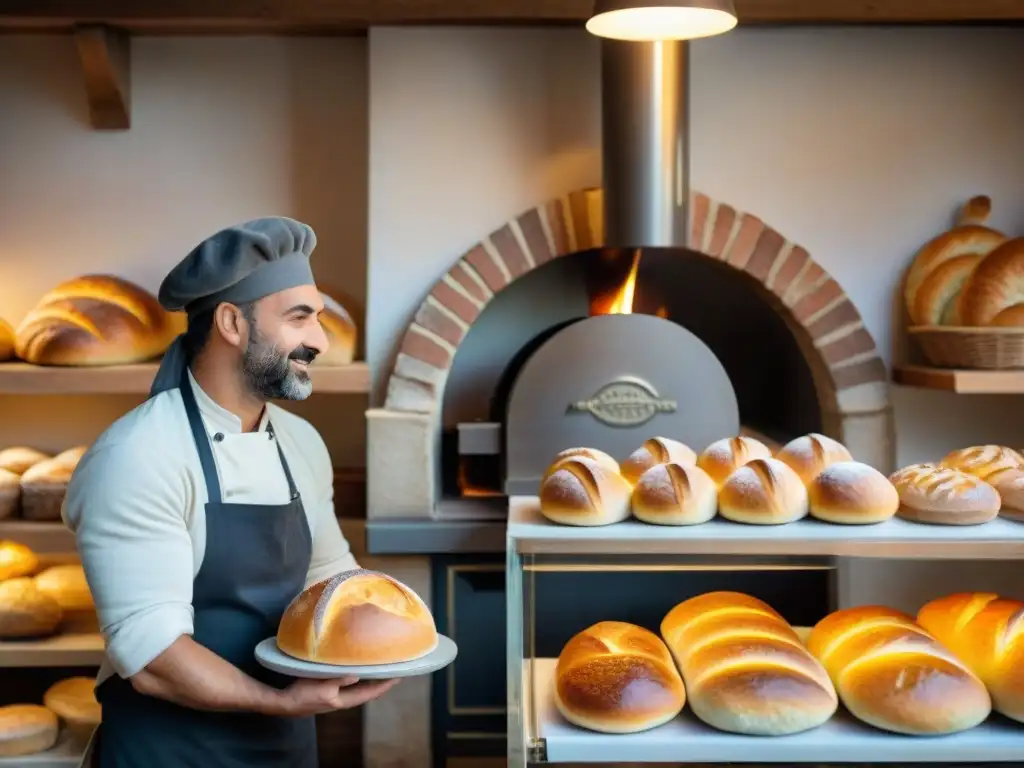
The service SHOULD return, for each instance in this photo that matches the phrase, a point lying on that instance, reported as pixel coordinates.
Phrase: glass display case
(562, 579)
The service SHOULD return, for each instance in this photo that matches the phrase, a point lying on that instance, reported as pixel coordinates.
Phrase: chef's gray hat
(236, 265)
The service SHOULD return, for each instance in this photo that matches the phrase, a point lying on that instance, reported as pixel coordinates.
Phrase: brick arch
(849, 374)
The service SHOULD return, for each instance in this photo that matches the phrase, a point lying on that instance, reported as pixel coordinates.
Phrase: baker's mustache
(303, 354)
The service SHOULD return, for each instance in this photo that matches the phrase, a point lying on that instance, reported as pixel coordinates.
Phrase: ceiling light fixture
(650, 20)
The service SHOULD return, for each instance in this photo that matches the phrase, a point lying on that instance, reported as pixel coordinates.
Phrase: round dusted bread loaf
(810, 454)
(25, 611)
(27, 729)
(722, 457)
(763, 492)
(994, 291)
(983, 460)
(675, 493)
(358, 617)
(656, 450)
(615, 677)
(582, 492)
(852, 493)
(600, 457)
(933, 494)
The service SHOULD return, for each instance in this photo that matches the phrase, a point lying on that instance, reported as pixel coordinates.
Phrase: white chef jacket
(136, 504)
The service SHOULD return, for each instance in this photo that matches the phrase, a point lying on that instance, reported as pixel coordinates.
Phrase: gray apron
(256, 560)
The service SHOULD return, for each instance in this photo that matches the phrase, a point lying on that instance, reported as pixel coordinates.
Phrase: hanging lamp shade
(661, 19)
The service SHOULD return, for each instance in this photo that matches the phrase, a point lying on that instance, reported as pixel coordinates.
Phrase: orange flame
(622, 303)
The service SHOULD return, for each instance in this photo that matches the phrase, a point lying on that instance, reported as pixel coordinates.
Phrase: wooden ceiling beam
(105, 57)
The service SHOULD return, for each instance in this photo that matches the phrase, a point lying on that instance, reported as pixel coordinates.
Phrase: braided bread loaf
(96, 320)
(892, 674)
(616, 677)
(744, 666)
(985, 632)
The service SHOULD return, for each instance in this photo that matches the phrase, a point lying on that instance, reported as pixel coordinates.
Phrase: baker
(203, 512)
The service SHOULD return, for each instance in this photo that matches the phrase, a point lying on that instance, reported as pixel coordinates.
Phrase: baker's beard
(269, 374)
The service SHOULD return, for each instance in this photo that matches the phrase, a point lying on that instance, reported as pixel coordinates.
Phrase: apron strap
(200, 438)
(292, 489)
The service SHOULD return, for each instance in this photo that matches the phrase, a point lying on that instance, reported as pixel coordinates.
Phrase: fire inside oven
(607, 348)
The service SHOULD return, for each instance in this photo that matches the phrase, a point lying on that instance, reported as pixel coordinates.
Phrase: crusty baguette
(890, 673)
(744, 666)
(615, 677)
(986, 632)
(654, 451)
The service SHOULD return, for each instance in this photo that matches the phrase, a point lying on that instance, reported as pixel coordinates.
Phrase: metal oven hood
(645, 143)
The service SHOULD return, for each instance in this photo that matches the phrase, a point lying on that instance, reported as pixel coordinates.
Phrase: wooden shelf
(41, 538)
(68, 649)
(962, 382)
(25, 379)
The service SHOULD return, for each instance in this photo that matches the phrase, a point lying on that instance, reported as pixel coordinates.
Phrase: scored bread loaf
(994, 292)
(6, 341)
(341, 333)
(656, 450)
(25, 611)
(26, 729)
(593, 454)
(67, 585)
(10, 494)
(615, 677)
(744, 666)
(933, 494)
(19, 458)
(723, 457)
(96, 320)
(810, 454)
(16, 560)
(583, 492)
(985, 632)
(890, 673)
(983, 460)
(357, 617)
(675, 493)
(852, 493)
(763, 492)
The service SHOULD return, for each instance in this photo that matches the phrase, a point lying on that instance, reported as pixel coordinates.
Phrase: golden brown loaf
(583, 492)
(67, 585)
(593, 454)
(852, 493)
(357, 617)
(18, 459)
(933, 494)
(43, 487)
(763, 492)
(70, 457)
(25, 611)
(16, 560)
(675, 494)
(6, 341)
(984, 631)
(892, 674)
(942, 266)
(96, 320)
(1010, 485)
(983, 460)
(26, 729)
(10, 493)
(615, 677)
(745, 668)
(1011, 317)
(656, 450)
(341, 333)
(724, 456)
(994, 292)
(810, 454)
(73, 700)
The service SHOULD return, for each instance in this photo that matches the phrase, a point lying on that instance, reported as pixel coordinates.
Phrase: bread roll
(43, 487)
(723, 457)
(6, 341)
(810, 454)
(675, 494)
(983, 630)
(983, 460)
(1009, 484)
(73, 700)
(602, 458)
(10, 494)
(16, 560)
(19, 459)
(26, 729)
(25, 611)
(67, 585)
(355, 618)
(96, 320)
(941, 267)
(744, 666)
(763, 492)
(615, 677)
(933, 494)
(341, 333)
(892, 674)
(852, 493)
(995, 287)
(656, 450)
(583, 492)
(69, 459)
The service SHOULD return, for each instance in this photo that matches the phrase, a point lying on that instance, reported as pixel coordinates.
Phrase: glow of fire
(623, 301)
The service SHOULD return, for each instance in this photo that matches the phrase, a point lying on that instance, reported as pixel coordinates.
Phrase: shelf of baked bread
(960, 381)
(841, 739)
(66, 753)
(25, 379)
(532, 533)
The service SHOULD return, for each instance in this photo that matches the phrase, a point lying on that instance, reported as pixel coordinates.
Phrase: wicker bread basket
(992, 348)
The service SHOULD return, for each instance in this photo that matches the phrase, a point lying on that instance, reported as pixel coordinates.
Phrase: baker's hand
(313, 697)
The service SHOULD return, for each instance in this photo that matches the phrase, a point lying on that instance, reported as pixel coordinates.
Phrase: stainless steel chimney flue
(645, 143)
